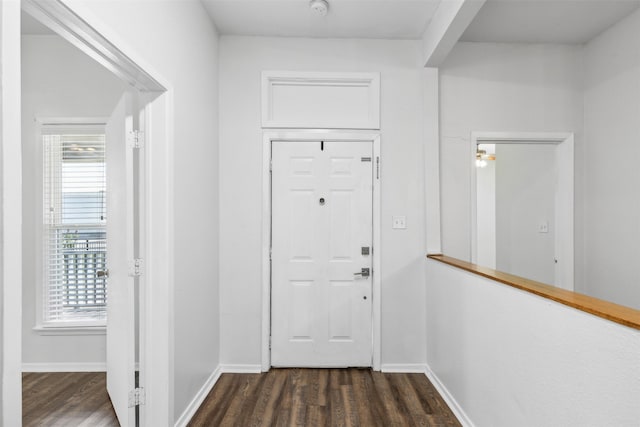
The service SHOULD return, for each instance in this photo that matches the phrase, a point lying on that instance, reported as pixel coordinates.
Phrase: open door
(120, 255)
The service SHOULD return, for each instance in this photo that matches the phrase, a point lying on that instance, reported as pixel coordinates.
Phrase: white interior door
(322, 233)
(120, 252)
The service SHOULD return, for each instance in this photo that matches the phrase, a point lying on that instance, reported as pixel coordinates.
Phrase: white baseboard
(65, 367)
(241, 369)
(403, 367)
(448, 398)
(202, 394)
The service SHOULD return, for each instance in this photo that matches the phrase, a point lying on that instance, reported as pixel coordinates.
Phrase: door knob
(103, 273)
(364, 273)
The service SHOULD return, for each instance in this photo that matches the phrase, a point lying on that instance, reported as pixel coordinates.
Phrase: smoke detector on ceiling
(321, 7)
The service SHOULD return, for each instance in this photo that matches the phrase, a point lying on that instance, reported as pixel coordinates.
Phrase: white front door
(120, 247)
(322, 195)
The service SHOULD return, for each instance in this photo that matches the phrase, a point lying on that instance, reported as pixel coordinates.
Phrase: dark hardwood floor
(68, 399)
(324, 397)
(302, 397)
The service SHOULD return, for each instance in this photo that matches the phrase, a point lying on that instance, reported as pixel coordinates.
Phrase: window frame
(56, 327)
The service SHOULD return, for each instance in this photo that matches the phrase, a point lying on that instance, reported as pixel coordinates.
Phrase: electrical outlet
(400, 222)
(543, 227)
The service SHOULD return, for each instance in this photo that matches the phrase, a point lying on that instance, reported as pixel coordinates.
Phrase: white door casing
(322, 194)
(120, 253)
(564, 194)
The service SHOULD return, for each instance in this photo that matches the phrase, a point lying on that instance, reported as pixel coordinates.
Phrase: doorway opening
(522, 204)
(140, 126)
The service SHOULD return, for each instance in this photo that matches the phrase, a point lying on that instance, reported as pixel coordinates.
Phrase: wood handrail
(607, 310)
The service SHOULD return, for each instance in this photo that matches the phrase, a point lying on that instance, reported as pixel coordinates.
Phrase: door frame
(10, 216)
(155, 113)
(315, 135)
(564, 193)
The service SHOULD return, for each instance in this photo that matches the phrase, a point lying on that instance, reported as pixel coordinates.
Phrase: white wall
(177, 41)
(510, 358)
(57, 81)
(525, 183)
(402, 191)
(431, 135)
(501, 87)
(612, 132)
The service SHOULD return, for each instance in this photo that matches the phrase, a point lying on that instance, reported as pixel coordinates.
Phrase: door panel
(321, 219)
(120, 251)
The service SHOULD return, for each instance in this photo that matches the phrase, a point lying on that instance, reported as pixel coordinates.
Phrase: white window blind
(74, 202)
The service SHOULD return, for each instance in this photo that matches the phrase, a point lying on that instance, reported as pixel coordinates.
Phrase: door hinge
(270, 165)
(135, 267)
(377, 167)
(136, 397)
(135, 139)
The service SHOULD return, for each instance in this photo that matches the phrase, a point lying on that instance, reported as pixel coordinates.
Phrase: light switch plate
(399, 222)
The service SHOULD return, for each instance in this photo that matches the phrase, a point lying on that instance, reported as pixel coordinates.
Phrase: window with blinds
(74, 203)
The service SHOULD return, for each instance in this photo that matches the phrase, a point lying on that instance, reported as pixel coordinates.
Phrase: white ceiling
(546, 21)
(381, 19)
(505, 21)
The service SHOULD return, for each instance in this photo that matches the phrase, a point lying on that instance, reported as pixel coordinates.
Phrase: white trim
(140, 125)
(157, 315)
(403, 368)
(453, 404)
(240, 369)
(65, 367)
(61, 121)
(76, 31)
(200, 396)
(327, 135)
(70, 330)
(520, 137)
(266, 252)
(564, 197)
(377, 250)
(10, 215)
(301, 78)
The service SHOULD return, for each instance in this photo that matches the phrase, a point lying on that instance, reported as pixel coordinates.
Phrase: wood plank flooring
(66, 399)
(324, 397)
(281, 397)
